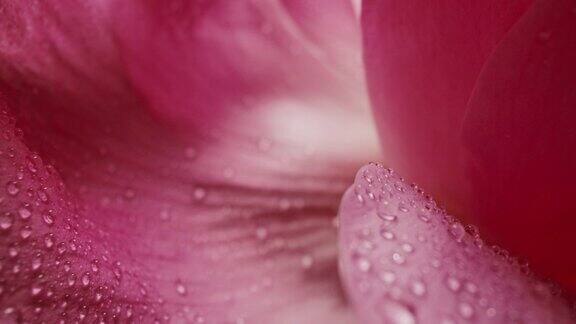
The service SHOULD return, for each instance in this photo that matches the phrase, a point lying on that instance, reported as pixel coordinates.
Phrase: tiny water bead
(12, 188)
(307, 261)
(180, 288)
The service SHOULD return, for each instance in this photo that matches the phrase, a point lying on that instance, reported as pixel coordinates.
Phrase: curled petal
(422, 61)
(403, 260)
(519, 131)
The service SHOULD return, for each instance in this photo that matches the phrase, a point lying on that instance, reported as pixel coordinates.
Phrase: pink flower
(184, 161)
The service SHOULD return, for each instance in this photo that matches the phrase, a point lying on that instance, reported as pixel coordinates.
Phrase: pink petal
(403, 260)
(422, 61)
(520, 132)
(184, 152)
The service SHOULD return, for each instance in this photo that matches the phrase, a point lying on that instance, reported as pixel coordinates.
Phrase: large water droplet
(465, 310)
(418, 288)
(24, 213)
(25, 232)
(48, 219)
(394, 312)
(307, 261)
(457, 231)
(398, 258)
(12, 188)
(6, 221)
(180, 288)
(453, 283)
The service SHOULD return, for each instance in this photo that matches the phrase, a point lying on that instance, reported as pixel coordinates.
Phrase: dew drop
(85, 279)
(49, 240)
(457, 231)
(25, 232)
(453, 283)
(386, 234)
(12, 188)
(24, 213)
(418, 288)
(397, 313)
(465, 310)
(386, 217)
(71, 280)
(6, 221)
(403, 208)
(36, 263)
(387, 277)
(407, 247)
(307, 261)
(199, 193)
(35, 290)
(363, 264)
(261, 233)
(48, 219)
(471, 287)
(424, 218)
(398, 258)
(43, 195)
(180, 288)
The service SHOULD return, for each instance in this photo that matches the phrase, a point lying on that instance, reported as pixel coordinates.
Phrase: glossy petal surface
(422, 61)
(520, 133)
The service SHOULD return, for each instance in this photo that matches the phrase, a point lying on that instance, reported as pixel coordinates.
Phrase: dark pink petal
(521, 135)
(194, 153)
(403, 260)
(422, 61)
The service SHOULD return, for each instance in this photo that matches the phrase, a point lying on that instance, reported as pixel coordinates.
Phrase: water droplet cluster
(403, 249)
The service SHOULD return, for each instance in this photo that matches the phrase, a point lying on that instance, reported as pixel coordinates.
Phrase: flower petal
(422, 61)
(403, 260)
(190, 145)
(520, 130)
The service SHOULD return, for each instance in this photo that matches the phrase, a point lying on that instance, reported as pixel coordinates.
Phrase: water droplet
(48, 219)
(457, 231)
(398, 258)
(180, 288)
(35, 290)
(261, 233)
(95, 265)
(6, 221)
(49, 240)
(165, 214)
(307, 261)
(26, 232)
(24, 213)
(424, 218)
(465, 310)
(71, 280)
(386, 217)
(363, 264)
(418, 288)
(407, 247)
(397, 313)
(453, 283)
(13, 251)
(43, 195)
(85, 279)
(471, 287)
(387, 277)
(199, 193)
(386, 234)
(403, 208)
(36, 263)
(12, 188)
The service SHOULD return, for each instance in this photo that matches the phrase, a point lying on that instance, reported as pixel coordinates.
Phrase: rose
(184, 161)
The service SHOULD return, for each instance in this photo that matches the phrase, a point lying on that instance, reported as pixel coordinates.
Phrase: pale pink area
(404, 260)
(201, 149)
